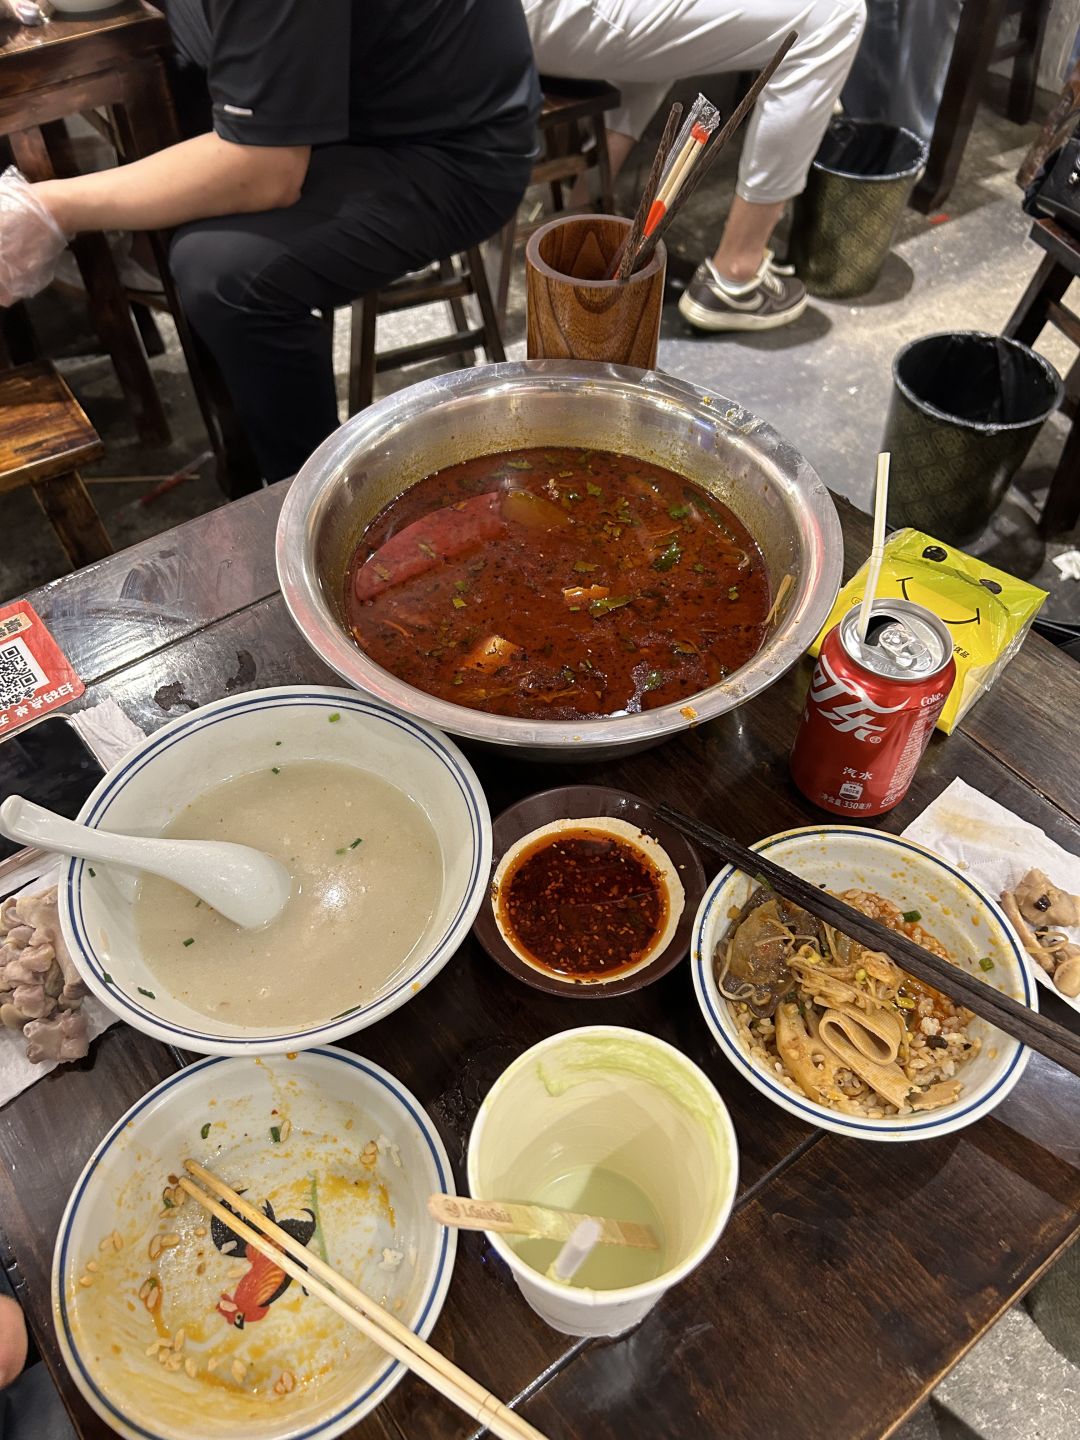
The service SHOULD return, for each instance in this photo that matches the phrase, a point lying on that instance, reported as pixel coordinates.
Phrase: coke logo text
(854, 712)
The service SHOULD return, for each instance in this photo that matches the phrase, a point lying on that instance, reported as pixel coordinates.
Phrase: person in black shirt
(335, 147)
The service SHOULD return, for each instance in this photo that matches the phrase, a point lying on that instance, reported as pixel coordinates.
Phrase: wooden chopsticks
(705, 158)
(623, 262)
(377, 1324)
(1028, 1026)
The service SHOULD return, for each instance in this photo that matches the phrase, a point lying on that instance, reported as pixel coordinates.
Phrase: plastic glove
(31, 242)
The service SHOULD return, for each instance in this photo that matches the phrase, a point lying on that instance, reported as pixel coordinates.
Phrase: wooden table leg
(492, 335)
(458, 318)
(1021, 102)
(1062, 509)
(976, 38)
(507, 241)
(603, 165)
(1048, 284)
(67, 504)
(41, 155)
(364, 314)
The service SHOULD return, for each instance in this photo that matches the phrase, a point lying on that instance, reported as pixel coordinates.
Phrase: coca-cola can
(871, 708)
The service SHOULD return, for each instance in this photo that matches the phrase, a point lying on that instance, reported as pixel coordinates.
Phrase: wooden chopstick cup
(1028, 1026)
(363, 1313)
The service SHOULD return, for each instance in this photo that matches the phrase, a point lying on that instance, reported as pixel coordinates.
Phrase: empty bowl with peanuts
(171, 1327)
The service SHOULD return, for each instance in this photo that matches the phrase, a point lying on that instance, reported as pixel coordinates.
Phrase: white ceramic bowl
(235, 736)
(328, 1095)
(954, 910)
(81, 7)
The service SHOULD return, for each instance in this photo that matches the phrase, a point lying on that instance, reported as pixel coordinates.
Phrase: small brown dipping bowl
(584, 802)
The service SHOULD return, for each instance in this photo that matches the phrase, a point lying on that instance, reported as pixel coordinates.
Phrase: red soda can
(872, 707)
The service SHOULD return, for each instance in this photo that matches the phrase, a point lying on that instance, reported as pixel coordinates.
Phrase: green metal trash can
(846, 218)
(965, 409)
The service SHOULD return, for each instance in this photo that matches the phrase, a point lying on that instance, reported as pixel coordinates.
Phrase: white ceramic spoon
(242, 884)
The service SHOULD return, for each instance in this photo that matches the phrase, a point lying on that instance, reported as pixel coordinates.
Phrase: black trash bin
(846, 218)
(965, 409)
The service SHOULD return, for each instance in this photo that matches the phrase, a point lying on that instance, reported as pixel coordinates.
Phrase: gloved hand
(31, 242)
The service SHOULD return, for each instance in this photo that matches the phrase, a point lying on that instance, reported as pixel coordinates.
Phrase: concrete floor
(824, 383)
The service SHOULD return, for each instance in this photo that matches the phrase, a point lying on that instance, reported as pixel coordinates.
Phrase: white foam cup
(623, 1101)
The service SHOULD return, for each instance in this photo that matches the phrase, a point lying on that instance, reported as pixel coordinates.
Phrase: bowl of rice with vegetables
(836, 1033)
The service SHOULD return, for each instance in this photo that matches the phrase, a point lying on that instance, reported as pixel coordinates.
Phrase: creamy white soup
(367, 874)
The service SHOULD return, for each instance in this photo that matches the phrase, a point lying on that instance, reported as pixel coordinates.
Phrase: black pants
(250, 284)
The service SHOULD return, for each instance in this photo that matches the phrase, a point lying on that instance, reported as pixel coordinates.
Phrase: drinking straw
(873, 574)
(575, 1252)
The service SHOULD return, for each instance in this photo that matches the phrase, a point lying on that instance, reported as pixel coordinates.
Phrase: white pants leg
(643, 46)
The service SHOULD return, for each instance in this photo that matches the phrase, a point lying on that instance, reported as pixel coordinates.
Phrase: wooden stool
(974, 50)
(44, 438)
(1040, 306)
(77, 65)
(450, 280)
(573, 112)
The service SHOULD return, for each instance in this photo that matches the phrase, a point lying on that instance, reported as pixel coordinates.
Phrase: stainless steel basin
(714, 441)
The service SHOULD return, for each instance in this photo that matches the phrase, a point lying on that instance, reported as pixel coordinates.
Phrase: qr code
(20, 675)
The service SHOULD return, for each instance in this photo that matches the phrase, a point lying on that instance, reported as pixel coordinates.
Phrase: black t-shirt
(316, 72)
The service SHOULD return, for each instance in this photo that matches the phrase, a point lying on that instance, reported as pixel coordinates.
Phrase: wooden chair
(44, 438)
(79, 65)
(449, 280)
(1040, 305)
(975, 49)
(574, 138)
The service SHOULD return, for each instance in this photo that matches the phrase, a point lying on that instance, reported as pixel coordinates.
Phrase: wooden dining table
(852, 1275)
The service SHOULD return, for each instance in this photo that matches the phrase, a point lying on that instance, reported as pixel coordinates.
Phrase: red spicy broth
(553, 584)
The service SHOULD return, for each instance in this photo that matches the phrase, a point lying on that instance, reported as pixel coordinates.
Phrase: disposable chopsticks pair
(358, 1309)
(1029, 1027)
(624, 259)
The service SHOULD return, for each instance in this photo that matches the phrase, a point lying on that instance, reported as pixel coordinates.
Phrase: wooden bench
(451, 281)
(574, 137)
(44, 438)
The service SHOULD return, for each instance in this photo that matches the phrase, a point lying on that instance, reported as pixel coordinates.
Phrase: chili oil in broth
(583, 904)
(558, 583)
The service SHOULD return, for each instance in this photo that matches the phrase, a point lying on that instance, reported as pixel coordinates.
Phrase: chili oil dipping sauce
(587, 900)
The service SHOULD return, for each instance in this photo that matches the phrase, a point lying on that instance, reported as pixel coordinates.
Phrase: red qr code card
(35, 676)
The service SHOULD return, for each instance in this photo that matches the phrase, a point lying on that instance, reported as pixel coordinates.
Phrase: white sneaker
(772, 298)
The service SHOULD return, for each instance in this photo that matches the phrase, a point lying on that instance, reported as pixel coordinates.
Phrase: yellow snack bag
(987, 611)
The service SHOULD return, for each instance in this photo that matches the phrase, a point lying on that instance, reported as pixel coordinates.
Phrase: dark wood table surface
(851, 1276)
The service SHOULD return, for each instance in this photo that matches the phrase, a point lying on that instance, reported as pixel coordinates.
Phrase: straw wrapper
(996, 849)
